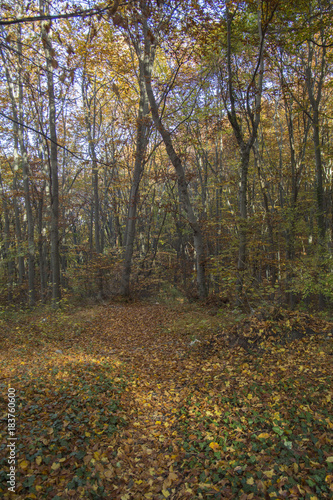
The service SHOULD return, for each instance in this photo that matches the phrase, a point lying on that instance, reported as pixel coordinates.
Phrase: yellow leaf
(158, 422)
(55, 465)
(269, 473)
(329, 460)
(214, 446)
(24, 464)
(97, 455)
(87, 434)
(166, 494)
(250, 481)
(295, 466)
(249, 396)
(263, 435)
(38, 460)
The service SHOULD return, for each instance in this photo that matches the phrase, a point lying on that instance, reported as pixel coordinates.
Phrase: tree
(51, 63)
(150, 49)
(242, 95)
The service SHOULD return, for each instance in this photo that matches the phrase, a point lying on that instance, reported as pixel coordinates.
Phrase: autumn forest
(166, 246)
(186, 143)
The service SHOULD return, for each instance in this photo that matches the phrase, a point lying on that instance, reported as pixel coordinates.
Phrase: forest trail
(162, 379)
(116, 402)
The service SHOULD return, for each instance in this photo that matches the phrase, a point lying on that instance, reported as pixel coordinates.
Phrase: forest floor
(151, 401)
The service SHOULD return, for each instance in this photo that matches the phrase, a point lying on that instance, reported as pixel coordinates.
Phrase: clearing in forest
(135, 401)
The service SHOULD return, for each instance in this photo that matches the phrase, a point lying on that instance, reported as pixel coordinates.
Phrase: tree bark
(91, 134)
(18, 231)
(314, 89)
(7, 256)
(54, 191)
(141, 146)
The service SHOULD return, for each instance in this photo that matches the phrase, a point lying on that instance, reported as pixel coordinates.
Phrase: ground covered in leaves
(135, 401)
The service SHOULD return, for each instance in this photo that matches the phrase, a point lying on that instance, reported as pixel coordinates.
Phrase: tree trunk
(91, 134)
(54, 191)
(253, 109)
(141, 146)
(241, 263)
(314, 88)
(7, 256)
(18, 231)
(176, 162)
(31, 242)
(16, 97)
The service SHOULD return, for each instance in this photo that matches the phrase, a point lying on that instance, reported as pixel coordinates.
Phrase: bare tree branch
(110, 9)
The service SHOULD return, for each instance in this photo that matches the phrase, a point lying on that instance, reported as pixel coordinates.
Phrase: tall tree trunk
(141, 146)
(54, 191)
(8, 258)
(18, 231)
(258, 162)
(253, 119)
(90, 122)
(314, 88)
(177, 163)
(31, 242)
(242, 232)
(319, 178)
(91, 134)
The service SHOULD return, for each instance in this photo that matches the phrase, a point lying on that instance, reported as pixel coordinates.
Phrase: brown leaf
(54, 63)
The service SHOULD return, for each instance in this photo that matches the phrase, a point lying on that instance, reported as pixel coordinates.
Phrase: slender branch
(80, 13)
(49, 139)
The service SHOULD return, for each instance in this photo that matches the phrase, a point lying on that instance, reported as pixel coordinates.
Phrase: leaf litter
(118, 401)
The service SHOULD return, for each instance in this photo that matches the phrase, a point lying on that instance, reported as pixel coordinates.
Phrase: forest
(166, 244)
(184, 144)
